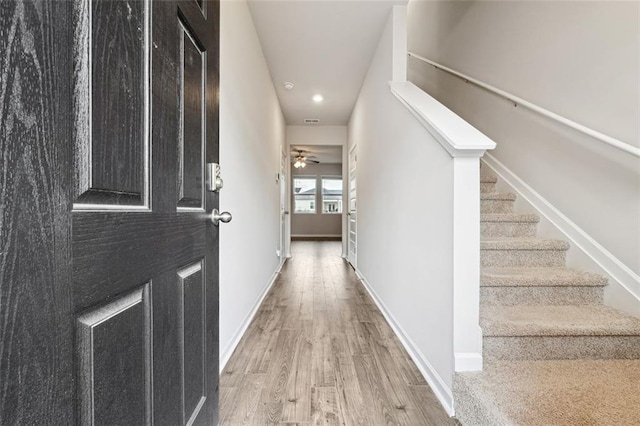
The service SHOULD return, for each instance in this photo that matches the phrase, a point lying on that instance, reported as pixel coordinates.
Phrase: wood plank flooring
(319, 352)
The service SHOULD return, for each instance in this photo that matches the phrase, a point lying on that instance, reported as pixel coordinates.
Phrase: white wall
(252, 131)
(405, 220)
(579, 59)
(316, 135)
(318, 224)
(324, 135)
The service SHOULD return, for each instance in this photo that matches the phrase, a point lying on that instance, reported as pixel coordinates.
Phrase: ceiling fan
(300, 160)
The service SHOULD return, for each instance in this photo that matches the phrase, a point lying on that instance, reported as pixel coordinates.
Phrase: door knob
(217, 217)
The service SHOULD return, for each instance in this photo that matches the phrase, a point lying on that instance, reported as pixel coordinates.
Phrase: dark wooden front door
(108, 261)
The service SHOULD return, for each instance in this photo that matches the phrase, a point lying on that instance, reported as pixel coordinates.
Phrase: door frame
(285, 205)
(345, 200)
(353, 152)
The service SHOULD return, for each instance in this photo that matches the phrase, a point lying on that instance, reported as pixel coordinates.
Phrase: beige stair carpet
(540, 276)
(552, 393)
(557, 321)
(540, 286)
(554, 354)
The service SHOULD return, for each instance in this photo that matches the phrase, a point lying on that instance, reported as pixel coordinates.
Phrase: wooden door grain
(36, 337)
(109, 265)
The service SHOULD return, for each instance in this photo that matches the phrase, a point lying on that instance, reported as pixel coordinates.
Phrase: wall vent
(311, 121)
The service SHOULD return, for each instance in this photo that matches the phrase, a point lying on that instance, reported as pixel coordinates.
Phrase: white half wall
(252, 134)
(580, 59)
(405, 221)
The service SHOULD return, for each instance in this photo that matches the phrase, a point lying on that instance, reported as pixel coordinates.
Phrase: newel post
(467, 335)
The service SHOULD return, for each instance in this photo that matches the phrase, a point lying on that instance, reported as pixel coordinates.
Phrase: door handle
(217, 217)
(286, 212)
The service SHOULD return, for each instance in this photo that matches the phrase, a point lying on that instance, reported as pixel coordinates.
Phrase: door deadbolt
(214, 181)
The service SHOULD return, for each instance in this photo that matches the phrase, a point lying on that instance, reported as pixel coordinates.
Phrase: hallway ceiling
(323, 47)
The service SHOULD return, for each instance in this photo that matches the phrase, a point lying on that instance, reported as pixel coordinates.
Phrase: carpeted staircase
(554, 354)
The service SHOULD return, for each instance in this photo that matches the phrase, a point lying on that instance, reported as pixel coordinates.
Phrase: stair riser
(561, 347)
(511, 296)
(487, 187)
(507, 229)
(522, 258)
(496, 206)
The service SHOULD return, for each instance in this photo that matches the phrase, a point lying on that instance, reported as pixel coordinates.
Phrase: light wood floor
(319, 352)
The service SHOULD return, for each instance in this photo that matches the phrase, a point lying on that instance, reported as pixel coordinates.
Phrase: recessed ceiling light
(288, 85)
(317, 98)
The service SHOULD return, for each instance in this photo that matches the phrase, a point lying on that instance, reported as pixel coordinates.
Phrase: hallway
(319, 352)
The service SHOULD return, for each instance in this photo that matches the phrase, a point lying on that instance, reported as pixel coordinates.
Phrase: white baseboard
(226, 354)
(316, 235)
(439, 387)
(471, 361)
(624, 283)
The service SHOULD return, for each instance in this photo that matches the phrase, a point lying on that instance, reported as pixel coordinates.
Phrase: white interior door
(284, 210)
(352, 213)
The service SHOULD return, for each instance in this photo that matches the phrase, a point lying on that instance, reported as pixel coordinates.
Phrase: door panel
(114, 348)
(191, 145)
(192, 288)
(167, 350)
(118, 92)
(112, 101)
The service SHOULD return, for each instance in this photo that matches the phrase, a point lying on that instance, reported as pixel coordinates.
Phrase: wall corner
(399, 51)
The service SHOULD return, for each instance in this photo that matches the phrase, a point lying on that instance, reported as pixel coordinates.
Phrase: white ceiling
(325, 154)
(321, 46)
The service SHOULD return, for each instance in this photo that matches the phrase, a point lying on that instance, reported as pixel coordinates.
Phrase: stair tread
(510, 217)
(488, 179)
(530, 393)
(546, 320)
(539, 277)
(516, 243)
(500, 196)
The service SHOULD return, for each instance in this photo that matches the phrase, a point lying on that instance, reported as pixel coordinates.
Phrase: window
(304, 195)
(331, 195)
